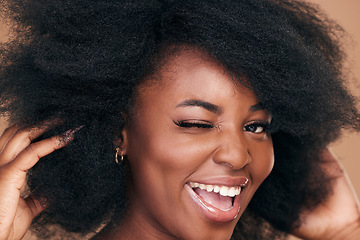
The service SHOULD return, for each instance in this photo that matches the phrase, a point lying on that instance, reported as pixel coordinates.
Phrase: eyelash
(266, 127)
(191, 124)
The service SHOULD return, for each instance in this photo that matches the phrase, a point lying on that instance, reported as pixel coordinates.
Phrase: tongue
(215, 199)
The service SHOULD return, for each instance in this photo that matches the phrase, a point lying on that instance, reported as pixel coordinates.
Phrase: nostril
(228, 164)
(234, 158)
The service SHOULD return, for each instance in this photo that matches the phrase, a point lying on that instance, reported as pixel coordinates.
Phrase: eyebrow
(256, 107)
(212, 107)
(199, 103)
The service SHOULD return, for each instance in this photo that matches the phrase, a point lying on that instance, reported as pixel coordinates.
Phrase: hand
(339, 216)
(18, 154)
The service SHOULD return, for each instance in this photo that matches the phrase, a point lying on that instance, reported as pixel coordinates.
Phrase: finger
(26, 159)
(7, 134)
(337, 170)
(13, 176)
(19, 141)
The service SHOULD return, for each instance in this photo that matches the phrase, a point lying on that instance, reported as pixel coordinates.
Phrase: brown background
(346, 13)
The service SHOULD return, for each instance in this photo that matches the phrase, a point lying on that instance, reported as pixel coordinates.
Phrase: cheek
(262, 161)
(171, 157)
(162, 157)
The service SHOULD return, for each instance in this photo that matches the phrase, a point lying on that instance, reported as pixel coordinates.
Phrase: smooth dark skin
(163, 157)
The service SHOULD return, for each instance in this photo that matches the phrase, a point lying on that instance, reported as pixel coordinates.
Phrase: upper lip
(224, 181)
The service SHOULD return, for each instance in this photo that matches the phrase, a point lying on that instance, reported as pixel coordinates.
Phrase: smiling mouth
(220, 197)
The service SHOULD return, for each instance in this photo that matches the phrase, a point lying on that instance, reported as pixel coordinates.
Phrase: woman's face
(198, 149)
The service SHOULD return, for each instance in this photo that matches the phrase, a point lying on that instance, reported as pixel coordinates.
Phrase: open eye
(256, 127)
(194, 124)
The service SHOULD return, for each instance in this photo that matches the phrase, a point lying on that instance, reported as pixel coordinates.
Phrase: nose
(232, 150)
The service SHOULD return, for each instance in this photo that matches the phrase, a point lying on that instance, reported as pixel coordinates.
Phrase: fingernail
(71, 132)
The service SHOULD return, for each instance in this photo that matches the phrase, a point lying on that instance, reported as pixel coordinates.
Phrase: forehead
(192, 74)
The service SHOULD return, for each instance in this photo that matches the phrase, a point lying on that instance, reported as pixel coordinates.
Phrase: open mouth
(218, 202)
(220, 197)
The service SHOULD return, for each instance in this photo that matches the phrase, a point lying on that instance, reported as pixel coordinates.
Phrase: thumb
(35, 205)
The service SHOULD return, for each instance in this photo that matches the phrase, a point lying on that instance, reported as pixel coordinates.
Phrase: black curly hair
(81, 61)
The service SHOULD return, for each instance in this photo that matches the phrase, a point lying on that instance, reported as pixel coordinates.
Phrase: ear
(122, 142)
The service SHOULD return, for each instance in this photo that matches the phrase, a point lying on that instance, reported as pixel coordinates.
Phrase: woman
(178, 111)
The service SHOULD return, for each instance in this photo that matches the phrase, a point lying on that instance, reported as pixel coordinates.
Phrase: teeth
(216, 189)
(231, 192)
(223, 190)
(238, 191)
(202, 186)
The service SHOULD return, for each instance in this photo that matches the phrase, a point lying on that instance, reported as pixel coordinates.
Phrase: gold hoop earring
(119, 152)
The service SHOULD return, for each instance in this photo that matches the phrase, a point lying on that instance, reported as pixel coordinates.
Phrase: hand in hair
(18, 154)
(339, 216)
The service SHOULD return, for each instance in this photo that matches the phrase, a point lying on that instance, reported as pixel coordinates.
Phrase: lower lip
(213, 213)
